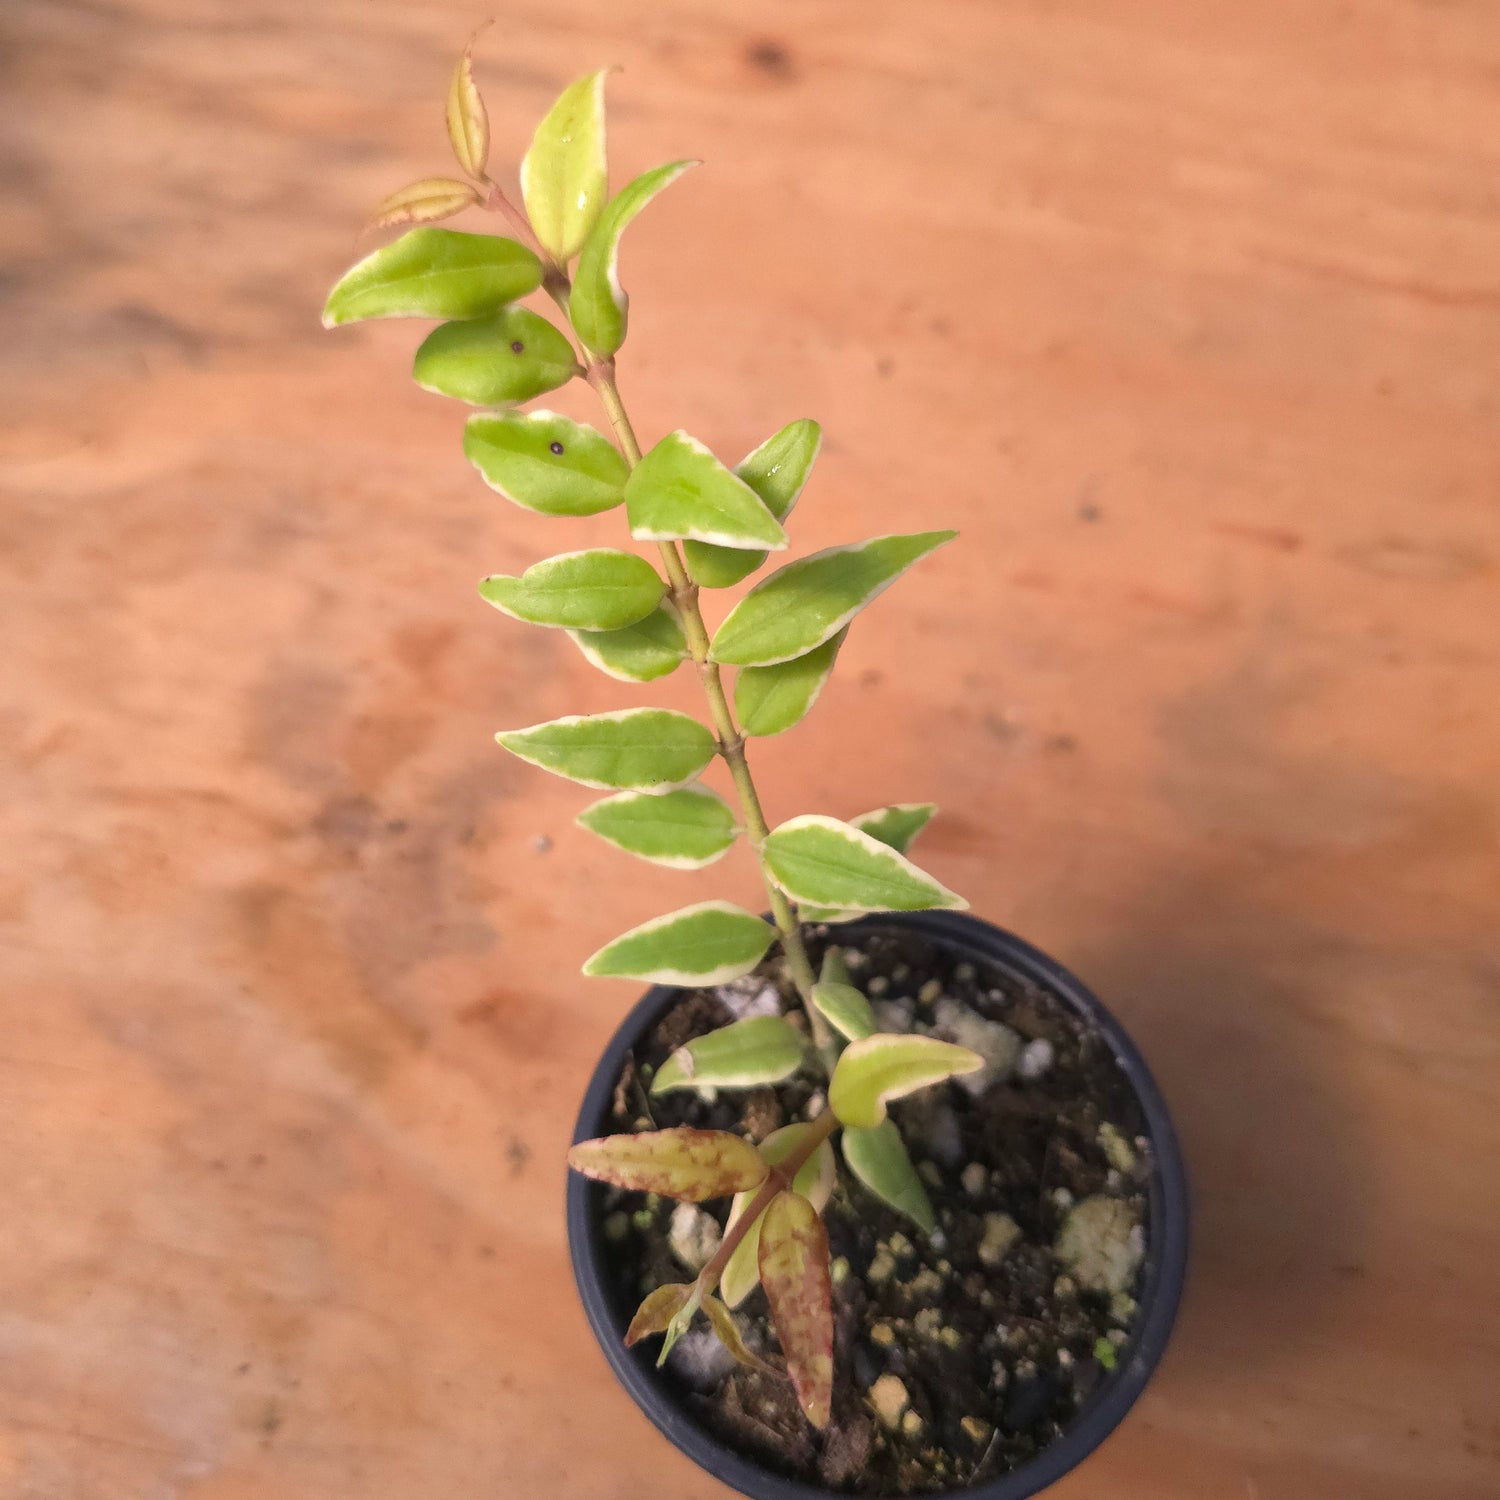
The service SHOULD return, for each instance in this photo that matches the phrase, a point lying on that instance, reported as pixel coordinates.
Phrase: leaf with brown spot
(794, 1272)
(727, 1331)
(423, 202)
(692, 1165)
(468, 121)
(657, 1311)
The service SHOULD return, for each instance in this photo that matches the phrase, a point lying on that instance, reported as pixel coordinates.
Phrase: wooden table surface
(1187, 314)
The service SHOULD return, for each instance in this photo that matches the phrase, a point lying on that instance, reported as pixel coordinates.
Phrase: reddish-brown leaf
(659, 1308)
(688, 1164)
(794, 1272)
(728, 1334)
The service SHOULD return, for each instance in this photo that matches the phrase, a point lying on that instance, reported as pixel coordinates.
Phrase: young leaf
(896, 825)
(776, 471)
(814, 1180)
(434, 273)
(563, 178)
(657, 1311)
(692, 1165)
(599, 304)
(809, 601)
(684, 830)
(846, 1009)
(742, 1055)
(546, 463)
(879, 1068)
(769, 700)
(603, 589)
(424, 202)
(468, 121)
(642, 652)
(697, 947)
(496, 361)
(728, 1333)
(878, 1158)
(679, 489)
(829, 863)
(794, 1272)
(631, 750)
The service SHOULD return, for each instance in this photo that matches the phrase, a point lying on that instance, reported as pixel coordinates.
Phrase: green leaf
(603, 589)
(546, 463)
(873, 1071)
(776, 471)
(679, 489)
(896, 825)
(693, 1165)
(599, 305)
(846, 1009)
(496, 361)
(794, 1271)
(742, 1055)
(434, 273)
(814, 1180)
(632, 750)
(829, 863)
(878, 1158)
(699, 946)
(563, 175)
(809, 601)
(769, 700)
(684, 830)
(642, 652)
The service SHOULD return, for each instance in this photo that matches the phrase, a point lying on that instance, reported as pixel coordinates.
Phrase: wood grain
(1187, 314)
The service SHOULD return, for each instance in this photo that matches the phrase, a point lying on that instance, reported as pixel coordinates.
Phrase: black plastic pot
(1162, 1273)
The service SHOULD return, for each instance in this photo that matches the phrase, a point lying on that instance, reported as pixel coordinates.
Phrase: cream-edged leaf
(845, 1008)
(742, 1055)
(642, 652)
(770, 700)
(633, 749)
(679, 489)
(684, 830)
(545, 462)
(809, 601)
(599, 305)
(434, 273)
(828, 863)
(563, 174)
(600, 589)
(698, 946)
(873, 1071)
(896, 825)
(495, 361)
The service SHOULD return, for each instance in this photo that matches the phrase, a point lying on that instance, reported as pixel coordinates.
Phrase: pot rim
(1162, 1276)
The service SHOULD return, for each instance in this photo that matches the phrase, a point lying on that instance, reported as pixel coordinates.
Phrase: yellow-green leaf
(468, 121)
(696, 947)
(424, 202)
(728, 1332)
(434, 273)
(545, 462)
(815, 1181)
(847, 1009)
(657, 1311)
(495, 361)
(563, 175)
(684, 830)
(744, 1054)
(692, 1165)
(599, 305)
(896, 825)
(642, 652)
(878, 1158)
(679, 489)
(599, 589)
(828, 863)
(873, 1071)
(794, 1271)
(630, 750)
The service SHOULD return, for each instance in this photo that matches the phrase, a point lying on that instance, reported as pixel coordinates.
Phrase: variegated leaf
(691, 1165)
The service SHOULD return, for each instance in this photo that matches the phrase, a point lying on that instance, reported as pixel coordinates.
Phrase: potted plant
(891, 1195)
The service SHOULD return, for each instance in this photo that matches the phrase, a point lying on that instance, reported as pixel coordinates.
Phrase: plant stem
(600, 373)
(778, 1180)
